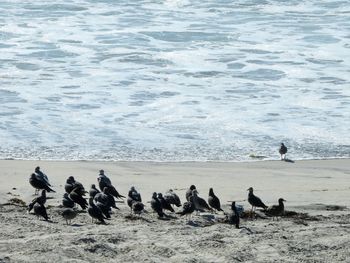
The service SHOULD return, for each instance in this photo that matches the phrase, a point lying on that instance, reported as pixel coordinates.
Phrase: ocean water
(174, 80)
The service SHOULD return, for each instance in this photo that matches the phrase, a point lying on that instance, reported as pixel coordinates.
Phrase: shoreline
(255, 159)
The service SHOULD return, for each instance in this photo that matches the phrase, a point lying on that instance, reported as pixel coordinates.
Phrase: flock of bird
(101, 201)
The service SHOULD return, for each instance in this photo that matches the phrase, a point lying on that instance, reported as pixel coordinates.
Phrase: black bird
(254, 200)
(189, 192)
(93, 191)
(103, 180)
(41, 175)
(172, 198)
(114, 192)
(72, 184)
(105, 209)
(276, 210)
(233, 217)
(187, 209)
(67, 202)
(199, 203)
(78, 199)
(137, 207)
(95, 212)
(164, 203)
(156, 205)
(40, 200)
(40, 210)
(110, 198)
(69, 214)
(39, 184)
(283, 151)
(214, 201)
(106, 199)
(133, 196)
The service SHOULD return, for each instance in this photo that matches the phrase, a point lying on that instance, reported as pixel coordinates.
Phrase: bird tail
(30, 207)
(48, 189)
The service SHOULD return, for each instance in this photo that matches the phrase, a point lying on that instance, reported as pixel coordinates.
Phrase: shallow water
(174, 80)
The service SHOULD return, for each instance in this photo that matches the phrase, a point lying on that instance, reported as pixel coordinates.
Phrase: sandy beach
(319, 188)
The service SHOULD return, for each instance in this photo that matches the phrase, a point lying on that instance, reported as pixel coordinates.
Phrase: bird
(156, 205)
(276, 210)
(105, 209)
(187, 209)
(39, 184)
(214, 201)
(40, 210)
(133, 196)
(189, 192)
(106, 199)
(233, 217)
(199, 203)
(254, 200)
(164, 203)
(66, 201)
(69, 214)
(103, 180)
(78, 199)
(283, 151)
(110, 198)
(137, 207)
(72, 184)
(93, 191)
(95, 212)
(114, 192)
(41, 175)
(40, 200)
(172, 198)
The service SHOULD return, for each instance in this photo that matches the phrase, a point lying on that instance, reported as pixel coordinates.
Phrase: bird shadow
(170, 216)
(198, 223)
(76, 225)
(288, 160)
(208, 217)
(133, 217)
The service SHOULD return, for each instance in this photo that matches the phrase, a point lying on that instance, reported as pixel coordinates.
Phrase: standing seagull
(40, 200)
(165, 204)
(214, 201)
(187, 209)
(93, 191)
(283, 151)
(172, 198)
(69, 214)
(276, 210)
(104, 181)
(67, 202)
(40, 210)
(199, 203)
(233, 217)
(137, 207)
(39, 184)
(41, 175)
(189, 192)
(133, 196)
(71, 185)
(79, 199)
(254, 200)
(156, 205)
(95, 212)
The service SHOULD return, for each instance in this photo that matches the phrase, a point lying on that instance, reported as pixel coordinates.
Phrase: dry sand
(319, 188)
